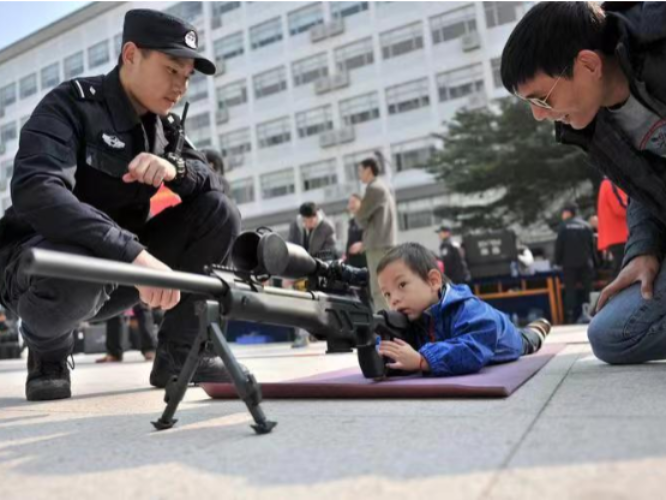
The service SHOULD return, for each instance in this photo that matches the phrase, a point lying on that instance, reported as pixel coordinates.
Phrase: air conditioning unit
(322, 85)
(221, 67)
(335, 27)
(471, 41)
(318, 33)
(222, 116)
(476, 101)
(345, 135)
(328, 139)
(340, 80)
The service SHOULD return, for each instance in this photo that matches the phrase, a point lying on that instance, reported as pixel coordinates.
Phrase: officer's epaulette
(88, 89)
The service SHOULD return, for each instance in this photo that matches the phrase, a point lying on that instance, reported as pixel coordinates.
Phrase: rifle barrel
(94, 270)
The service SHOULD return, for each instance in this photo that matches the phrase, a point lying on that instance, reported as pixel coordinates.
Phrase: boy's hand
(403, 354)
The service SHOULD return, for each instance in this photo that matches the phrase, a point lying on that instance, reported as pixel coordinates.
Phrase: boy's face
(406, 292)
(573, 101)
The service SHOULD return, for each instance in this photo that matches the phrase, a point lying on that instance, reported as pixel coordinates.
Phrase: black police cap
(151, 29)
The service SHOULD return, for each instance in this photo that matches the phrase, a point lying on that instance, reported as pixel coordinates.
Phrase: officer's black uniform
(68, 195)
(575, 253)
(451, 255)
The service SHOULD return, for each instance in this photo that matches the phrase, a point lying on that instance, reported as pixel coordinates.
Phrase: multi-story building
(303, 92)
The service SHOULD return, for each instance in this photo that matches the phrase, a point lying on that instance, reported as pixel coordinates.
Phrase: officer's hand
(147, 168)
(157, 298)
(643, 268)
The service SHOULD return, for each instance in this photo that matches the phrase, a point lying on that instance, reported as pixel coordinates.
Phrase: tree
(509, 168)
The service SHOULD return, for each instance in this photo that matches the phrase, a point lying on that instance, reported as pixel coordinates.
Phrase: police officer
(575, 253)
(452, 256)
(90, 158)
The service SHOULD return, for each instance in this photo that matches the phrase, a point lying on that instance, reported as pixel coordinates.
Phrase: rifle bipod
(246, 385)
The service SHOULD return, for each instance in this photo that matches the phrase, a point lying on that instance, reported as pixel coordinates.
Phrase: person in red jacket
(613, 232)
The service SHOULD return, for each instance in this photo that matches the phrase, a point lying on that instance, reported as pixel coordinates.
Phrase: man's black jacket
(575, 244)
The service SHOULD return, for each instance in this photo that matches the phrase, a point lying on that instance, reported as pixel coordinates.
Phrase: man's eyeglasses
(543, 103)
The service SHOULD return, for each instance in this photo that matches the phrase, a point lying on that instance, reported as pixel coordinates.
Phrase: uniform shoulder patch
(87, 90)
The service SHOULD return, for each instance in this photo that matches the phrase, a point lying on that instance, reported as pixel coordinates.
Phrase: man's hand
(643, 268)
(157, 298)
(403, 354)
(147, 168)
(356, 248)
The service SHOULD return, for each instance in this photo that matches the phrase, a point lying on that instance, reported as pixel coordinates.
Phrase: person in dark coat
(453, 257)
(355, 252)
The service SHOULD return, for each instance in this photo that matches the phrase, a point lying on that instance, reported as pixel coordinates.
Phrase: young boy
(453, 332)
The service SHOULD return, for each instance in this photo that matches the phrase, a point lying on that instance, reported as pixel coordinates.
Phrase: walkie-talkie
(175, 156)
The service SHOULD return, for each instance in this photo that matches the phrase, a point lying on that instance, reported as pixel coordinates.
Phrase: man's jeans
(630, 329)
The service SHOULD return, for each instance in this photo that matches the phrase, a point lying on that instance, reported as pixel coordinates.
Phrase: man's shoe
(302, 340)
(47, 379)
(170, 358)
(109, 358)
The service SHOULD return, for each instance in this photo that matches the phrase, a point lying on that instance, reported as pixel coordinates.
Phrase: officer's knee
(53, 307)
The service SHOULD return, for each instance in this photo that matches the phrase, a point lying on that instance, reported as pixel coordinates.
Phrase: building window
(454, 24)
(234, 94)
(460, 82)
(50, 76)
(197, 88)
(318, 175)
(355, 55)
(496, 65)
(346, 9)
(303, 19)
(73, 65)
(188, 11)
(8, 133)
(270, 82)
(8, 95)
(499, 13)
(408, 96)
(242, 190)
(351, 162)
(98, 54)
(277, 184)
(198, 130)
(222, 8)
(228, 47)
(416, 214)
(402, 40)
(236, 143)
(274, 133)
(412, 154)
(360, 109)
(310, 69)
(117, 45)
(266, 33)
(314, 121)
(28, 85)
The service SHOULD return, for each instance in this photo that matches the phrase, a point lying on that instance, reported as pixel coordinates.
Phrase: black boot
(48, 378)
(170, 358)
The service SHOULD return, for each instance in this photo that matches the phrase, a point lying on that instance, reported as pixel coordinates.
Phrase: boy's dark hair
(215, 158)
(308, 209)
(371, 163)
(416, 257)
(548, 39)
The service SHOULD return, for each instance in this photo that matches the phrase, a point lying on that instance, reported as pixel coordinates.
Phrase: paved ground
(578, 430)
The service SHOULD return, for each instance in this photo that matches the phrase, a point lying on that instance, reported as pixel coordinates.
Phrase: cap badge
(191, 39)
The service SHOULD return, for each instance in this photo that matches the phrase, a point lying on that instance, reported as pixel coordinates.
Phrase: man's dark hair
(548, 39)
(371, 163)
(416, 257)
(570, 207)
(308, 209)
(214, 157)
(357, 196)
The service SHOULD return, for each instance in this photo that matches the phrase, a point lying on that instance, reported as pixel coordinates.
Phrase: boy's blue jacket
(461, 334)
